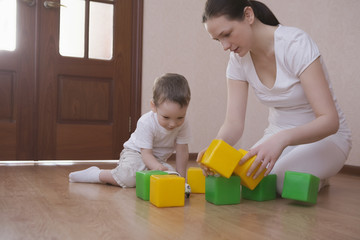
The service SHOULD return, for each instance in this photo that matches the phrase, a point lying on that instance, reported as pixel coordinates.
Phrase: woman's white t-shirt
(149, 134)
(288, 105)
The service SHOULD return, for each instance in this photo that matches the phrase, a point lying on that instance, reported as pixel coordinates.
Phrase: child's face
(170, 114)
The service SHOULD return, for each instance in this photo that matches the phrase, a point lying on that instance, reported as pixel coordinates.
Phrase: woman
(307, 131)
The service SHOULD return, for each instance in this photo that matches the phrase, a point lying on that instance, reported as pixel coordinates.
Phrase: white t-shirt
(150, 135)
(288, 105)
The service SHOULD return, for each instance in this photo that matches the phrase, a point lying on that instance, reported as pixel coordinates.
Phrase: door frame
(136, 52)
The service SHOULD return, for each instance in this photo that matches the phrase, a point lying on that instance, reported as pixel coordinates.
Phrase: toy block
(167, 190)
(222, 191)
(300, 186)
(241, 171)
(143, 183)
(196, 180)
(264, 191)
(221, 158)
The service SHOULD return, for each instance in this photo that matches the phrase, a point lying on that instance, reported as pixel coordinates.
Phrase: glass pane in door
(72, 28)
(8, 25)
(101, 30)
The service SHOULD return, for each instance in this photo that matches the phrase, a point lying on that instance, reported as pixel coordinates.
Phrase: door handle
(30, 3)
(51, 4)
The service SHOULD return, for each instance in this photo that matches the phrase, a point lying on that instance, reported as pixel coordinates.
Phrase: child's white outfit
(148, 135)
(289, 107)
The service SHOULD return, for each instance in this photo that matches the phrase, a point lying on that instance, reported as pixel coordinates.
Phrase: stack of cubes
(223, 159)
(143, 183)
(224, 188)
(160, 188)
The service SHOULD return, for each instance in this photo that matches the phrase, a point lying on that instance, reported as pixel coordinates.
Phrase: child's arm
(150, 161)
(182, 158)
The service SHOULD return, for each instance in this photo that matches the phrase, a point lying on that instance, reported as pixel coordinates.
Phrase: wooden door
(17, 80)
(86, 102)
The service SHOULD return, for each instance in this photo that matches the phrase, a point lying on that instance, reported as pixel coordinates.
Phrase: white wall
(176, 41)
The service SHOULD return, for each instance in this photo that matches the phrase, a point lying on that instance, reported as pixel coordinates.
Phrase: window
(86, 29)
(8, 25)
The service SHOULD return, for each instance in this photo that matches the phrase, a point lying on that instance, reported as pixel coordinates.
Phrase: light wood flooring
(38, 202)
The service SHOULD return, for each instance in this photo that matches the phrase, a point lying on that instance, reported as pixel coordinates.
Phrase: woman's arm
(182, 158)
(326, 122)
(318, 94)
(233, 126)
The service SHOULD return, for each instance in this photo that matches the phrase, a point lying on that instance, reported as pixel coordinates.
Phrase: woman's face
(234, 35)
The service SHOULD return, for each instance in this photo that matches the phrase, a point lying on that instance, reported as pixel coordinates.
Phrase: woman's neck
(263, 39)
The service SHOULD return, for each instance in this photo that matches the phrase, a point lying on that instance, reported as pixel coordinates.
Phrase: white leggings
(323, 159)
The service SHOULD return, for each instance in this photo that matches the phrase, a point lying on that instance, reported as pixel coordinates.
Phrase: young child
(158, 134)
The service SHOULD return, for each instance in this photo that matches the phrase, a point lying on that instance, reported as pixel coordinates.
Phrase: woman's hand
(267, 153)
(206, 170)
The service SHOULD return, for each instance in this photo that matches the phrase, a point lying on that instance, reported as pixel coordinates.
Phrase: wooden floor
(38, 202)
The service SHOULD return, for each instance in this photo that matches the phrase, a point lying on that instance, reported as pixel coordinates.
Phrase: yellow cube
(196, 180)
(242, 170)
(221, 158)
(167, 190)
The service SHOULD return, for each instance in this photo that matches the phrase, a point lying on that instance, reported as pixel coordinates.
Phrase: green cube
(143, 183)
(222, 191)
(266, 190)
(302, 187)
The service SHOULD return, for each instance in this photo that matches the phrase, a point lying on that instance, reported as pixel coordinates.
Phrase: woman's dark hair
(234, 10)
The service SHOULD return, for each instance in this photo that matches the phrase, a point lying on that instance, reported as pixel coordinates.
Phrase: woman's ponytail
(263, 13)
(234, 9)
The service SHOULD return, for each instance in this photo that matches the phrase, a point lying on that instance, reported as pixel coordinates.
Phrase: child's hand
(161, 168)
(150, 161)
(206, 170)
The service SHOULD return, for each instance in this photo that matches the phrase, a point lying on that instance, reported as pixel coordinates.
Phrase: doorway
(70, 83)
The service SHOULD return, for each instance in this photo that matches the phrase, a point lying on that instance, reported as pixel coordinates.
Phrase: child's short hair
(173, 87)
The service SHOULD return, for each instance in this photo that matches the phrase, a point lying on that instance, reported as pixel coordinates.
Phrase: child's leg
(89, 175)
(93, 175)
(125, 173)
(107, 177)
